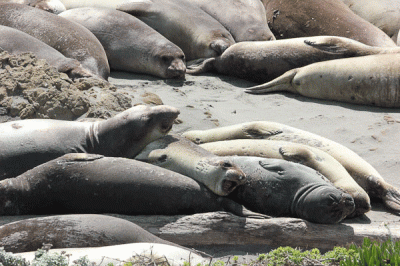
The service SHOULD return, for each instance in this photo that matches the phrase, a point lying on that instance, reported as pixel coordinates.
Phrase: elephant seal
(90, 183)
(72, 231)
(16, 42)
(28, 143)
(264, 61)
(70, 39)
(130, 44)
(384, 14)
(368, 80)
(291, 19)
(198, 34)
(182, 156)
(280, 188)
(299, 153)
(246, 20)
(362, 172)
(53, 6)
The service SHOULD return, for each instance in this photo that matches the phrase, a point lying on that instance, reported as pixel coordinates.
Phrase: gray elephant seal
(70, 39)
(280, 188)
(89, 183)
(28, 143)
(291, 19)
(16, 42)
(53, 6)
(246, 20)
(130, 44)
(309, 156)
(375, 83)
(72, 231)
(264, 61)
(182, 156)
(362, 172)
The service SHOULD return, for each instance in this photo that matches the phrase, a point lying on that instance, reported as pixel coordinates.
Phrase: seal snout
(177, 69)
(234, 177)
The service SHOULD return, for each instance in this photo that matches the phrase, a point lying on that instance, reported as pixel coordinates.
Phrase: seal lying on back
(368, 80)
(16, 42)
(28, 143)
(129, 43)
(264, 61)
(280, 188)
(309, 156)
(72, 231)
(70, 39)
(291, 19)
(362, 172)
(181, 155)
(88, 183)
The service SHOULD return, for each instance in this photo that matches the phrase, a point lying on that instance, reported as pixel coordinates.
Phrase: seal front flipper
(136, 8)
(239, 210)
(299, 155)
(327, 47)
(282, 83)
(199, 66)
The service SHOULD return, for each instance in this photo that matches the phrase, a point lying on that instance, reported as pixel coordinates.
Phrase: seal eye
(165, 59)
(226, 164)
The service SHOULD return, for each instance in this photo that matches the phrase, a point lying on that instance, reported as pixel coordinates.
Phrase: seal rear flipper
(201, 65)
(239, 210)
(282, 83)
(391, 199)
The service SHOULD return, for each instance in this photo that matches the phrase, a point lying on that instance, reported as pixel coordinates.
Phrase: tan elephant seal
(368, 80)
(129, 43)
(246, 20)
(182, 156)
(309, 156)
(264, 61)
(362, 172)
(291, 19)
(69, 38)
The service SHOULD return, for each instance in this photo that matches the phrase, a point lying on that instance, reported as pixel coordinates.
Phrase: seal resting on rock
(182, 156)
(368, 80)
(69, 38)
(130, 44)
(27, 143)
(72, 231)
(362, 172)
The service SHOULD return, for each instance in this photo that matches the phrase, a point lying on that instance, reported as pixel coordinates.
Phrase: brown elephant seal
(246, 20)
(182, 156)
(72, 231)
(27, 143)
(264, 61)
(16, 42)
(291, 19)
(368, 80)
(130, 44)
(362, 172)
(70, 39)
(198, 34)
(90, 183)
(384, 14)
(280, 188)
(53, 6)
(299, 153)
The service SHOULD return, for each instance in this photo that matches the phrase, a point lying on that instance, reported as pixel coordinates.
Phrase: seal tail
(282, 83)
(199, 66)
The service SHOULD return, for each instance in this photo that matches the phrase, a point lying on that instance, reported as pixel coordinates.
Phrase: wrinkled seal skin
(362, 172)
(309, 156)
(88, 183)
(368, 80)
(245, 19)
(70, 39)
(130, 44)
(264, 61)
(27, 143)
(181, 155)
(280, 188)
(198, 34)
(16, 42)
(291, 19)
(72, 231)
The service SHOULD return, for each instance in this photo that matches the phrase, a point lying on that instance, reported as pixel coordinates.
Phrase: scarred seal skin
(280, 188)
(72, 231)
(130, 44)
(27, 143)
(291, 19)
(70, 39)
(53, 6)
